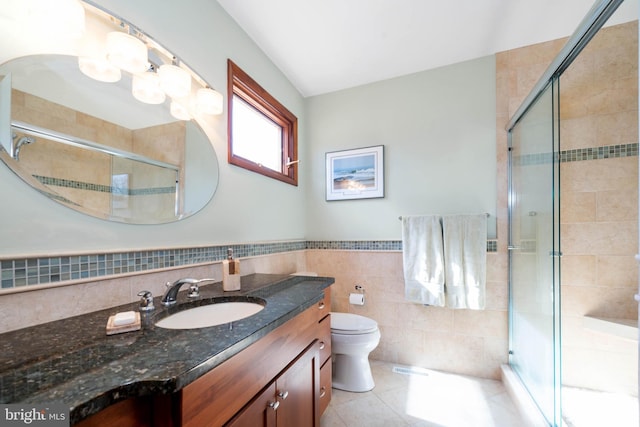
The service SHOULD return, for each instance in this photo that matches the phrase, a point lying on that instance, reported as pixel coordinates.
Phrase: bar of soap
(124, 318)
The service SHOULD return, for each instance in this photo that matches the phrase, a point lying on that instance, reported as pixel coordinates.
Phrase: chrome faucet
(171, 294)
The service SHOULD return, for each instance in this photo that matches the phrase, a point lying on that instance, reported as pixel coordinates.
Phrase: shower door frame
(551, 407)
(593, 21)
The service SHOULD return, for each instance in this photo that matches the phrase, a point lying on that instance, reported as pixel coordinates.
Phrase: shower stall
(543, 311)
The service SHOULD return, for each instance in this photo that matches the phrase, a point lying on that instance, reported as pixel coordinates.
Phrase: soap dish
(113, 329)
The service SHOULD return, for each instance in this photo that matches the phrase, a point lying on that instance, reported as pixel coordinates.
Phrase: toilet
(353, 337)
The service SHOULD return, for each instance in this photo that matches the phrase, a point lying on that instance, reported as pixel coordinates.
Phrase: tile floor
(423, 399)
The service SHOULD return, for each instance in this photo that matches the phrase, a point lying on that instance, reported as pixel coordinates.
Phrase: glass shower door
(534, 251)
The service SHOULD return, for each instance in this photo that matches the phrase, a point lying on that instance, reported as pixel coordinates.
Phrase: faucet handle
(146, 302)
(194, 291)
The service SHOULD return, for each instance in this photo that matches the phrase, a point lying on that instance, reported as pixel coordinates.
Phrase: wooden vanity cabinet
(283, 379)
(324, 337)
(240, 389)
(290, 400)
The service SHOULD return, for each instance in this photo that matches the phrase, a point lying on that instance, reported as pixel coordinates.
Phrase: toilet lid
(348, 323)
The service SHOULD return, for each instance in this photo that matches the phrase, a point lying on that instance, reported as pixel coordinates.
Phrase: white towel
(423, 261)
(465, 258)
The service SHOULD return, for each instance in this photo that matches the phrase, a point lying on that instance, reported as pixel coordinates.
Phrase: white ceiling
(328, 45)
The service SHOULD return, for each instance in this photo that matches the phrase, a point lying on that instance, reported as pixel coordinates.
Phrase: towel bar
(486, 213)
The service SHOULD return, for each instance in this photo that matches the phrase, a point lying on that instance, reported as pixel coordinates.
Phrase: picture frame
(355, 174)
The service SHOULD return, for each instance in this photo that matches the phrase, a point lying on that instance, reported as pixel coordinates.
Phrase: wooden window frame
(242, 85)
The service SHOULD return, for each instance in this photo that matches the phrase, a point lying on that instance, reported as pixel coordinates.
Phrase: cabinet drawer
(325, 386)
(324, 336)
(324, 305)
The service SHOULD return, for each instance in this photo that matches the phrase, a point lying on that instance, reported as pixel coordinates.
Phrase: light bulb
(208, 101)
(99, 69)
(175, 81)
(179, 109)
(127, 52)
(146, 88)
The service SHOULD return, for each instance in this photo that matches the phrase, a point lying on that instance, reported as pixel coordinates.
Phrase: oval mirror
(92, 145)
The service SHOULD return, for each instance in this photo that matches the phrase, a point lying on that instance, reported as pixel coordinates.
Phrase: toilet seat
(352, 324)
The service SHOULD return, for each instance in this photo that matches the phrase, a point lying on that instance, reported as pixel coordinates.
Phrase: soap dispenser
(230, 272)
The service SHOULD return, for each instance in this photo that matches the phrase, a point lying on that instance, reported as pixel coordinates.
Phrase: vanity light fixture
(146, 88)
(99, 69)
(127, 52)
(179, 109)
(156, 72)
(209, 101)
(175, 81)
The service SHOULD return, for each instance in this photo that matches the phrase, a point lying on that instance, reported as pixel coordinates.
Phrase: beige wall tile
(599, 302)
(577, 207)
(481, 323)
(617, 271)
(599, 107)
(617, 206)
(408, 328)
(600, 175)
(611, 238)
(578, 270)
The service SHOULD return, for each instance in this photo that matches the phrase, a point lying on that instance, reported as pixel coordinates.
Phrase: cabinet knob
(321, 305)
(323, 391)
(322, 345)
(274, 405)
(283, 395)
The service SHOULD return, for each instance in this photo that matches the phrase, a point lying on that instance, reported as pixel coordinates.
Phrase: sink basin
(210, 315)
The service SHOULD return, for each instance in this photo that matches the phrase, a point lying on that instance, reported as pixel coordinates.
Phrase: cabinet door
(297, 391)
(261, 412)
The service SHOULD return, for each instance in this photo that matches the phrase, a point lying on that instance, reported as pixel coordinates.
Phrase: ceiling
(328, 45)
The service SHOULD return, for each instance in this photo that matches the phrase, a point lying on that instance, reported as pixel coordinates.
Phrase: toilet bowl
(353, 337)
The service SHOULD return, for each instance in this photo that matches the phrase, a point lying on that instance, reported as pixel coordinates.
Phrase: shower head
(22, 141)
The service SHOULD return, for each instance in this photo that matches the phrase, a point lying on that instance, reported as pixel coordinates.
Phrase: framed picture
(355, 174)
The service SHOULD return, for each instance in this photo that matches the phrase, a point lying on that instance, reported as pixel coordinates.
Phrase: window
(263, 134)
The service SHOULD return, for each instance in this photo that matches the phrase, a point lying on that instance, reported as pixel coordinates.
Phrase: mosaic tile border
(580, 154)
(80, 185)
(373, 245)
(38, 271)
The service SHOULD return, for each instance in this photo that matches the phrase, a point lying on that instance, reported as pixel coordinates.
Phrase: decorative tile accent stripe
(357, 245)
(35, 271)
(373, 245)
(59, 182)
(597, 153)
(578, 155)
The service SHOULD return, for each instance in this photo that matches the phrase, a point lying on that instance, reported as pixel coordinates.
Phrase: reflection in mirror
(91, 144)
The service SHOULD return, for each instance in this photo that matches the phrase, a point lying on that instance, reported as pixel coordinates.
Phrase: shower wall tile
(610, 238)
(617, 205)
(579, 270)
(607, 302)
(599, 195)
(618, 271)
(603, 175)
(578, 206)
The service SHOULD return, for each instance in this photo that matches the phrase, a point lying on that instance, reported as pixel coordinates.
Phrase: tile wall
(472, 342)
(149, 188)
(599, 194)
(599, 210)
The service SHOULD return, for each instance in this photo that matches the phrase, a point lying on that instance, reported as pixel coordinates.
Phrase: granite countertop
(73, 361)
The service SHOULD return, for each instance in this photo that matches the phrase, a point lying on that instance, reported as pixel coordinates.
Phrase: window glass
(262, 132)
(255, 136)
